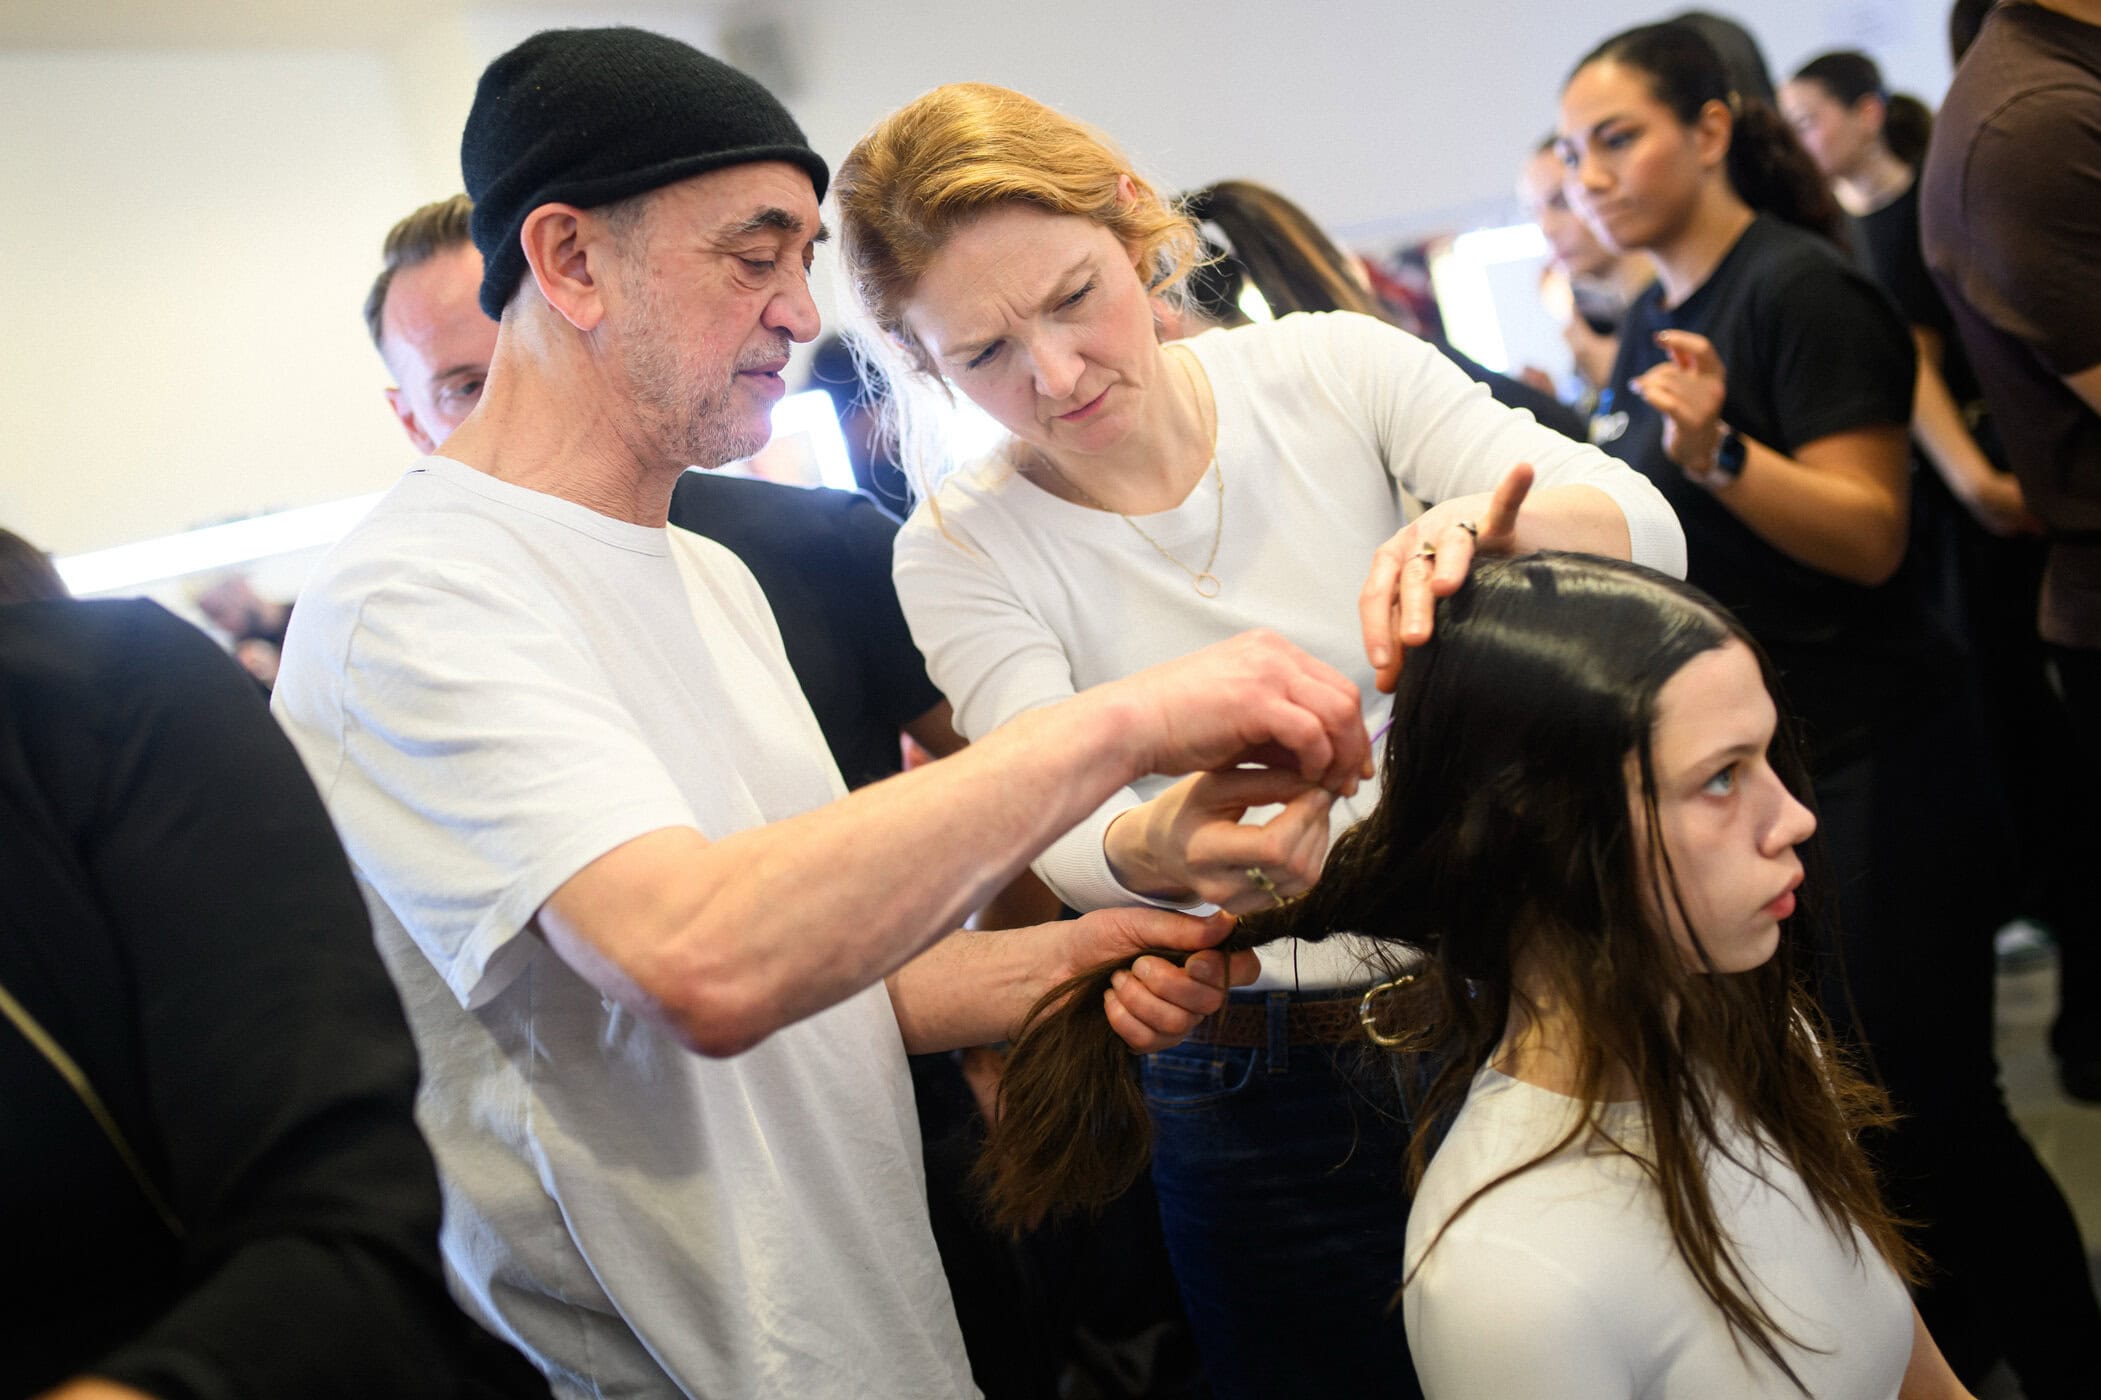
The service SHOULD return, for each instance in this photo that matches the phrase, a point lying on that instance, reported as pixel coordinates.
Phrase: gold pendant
(1207, 584)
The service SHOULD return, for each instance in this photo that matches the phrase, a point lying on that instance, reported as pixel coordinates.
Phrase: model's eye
(1620, 140)
(763, 267)
(983, 357)
(1077, 297)
(1722, 783)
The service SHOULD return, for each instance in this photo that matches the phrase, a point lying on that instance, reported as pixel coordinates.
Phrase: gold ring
(1428, 552)
(1259, 878)
(1470, 528)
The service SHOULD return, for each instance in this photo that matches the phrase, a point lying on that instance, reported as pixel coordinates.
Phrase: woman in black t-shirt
(1977, 550)
(1765, 384)
(1868, 144)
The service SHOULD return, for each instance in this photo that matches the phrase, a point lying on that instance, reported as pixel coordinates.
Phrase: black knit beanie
(591, 116)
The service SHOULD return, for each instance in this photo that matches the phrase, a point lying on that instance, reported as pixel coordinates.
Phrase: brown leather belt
(1325, 1020)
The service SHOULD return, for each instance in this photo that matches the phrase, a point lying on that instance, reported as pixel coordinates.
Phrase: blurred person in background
(1586, 285)
(1974, 549)
(2011, 220)
(254, 625)
(1272, 245)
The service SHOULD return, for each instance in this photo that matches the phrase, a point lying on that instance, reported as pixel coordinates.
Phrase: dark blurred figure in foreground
(215, 1186)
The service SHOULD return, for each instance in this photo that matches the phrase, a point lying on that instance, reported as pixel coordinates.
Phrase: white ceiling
(224, 24)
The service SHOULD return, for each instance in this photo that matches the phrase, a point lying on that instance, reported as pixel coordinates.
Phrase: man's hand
(1254, 698)
(1188, 843)
(1427, 560)
(1154, 1003)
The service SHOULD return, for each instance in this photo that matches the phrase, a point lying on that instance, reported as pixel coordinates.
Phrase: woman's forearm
(1849, 523)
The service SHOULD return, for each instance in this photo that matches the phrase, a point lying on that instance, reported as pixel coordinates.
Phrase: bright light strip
(264, 536)
(973, 434)
(1459, 274)
(1514, 243)
(811, 412)
(1253, 304)
(213, 547)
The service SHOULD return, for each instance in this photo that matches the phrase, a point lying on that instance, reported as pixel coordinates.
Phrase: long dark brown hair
(1767, 168)
(1290, 259)
(1504, 831)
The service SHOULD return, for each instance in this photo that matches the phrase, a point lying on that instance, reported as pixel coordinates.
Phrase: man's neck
(546, 423)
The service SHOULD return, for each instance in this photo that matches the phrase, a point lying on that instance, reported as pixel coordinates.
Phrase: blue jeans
(1280, 1174)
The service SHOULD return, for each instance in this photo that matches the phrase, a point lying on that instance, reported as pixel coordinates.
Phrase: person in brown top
(2011, 221)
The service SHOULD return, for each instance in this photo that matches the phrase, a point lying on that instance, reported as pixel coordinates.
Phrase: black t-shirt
(1888, 243)
(1812, 347)
(822, 558)
(176, 914)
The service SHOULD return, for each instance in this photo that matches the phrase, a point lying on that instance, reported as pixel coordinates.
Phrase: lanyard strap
(40, 1040)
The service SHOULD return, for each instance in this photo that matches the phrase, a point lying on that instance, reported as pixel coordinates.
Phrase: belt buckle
(1368, 1016)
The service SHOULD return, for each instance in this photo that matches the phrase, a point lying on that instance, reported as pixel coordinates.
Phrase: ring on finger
(1428, 553)
(1471, 529)
(1259, 878)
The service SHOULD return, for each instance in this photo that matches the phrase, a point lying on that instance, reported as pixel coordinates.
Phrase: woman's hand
(1428, 560)
(1688, 389)
(1154, 1003)
(1188, 842)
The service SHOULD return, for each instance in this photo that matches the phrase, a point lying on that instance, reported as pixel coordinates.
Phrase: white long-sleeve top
(1564, 1280)
(1018, 598)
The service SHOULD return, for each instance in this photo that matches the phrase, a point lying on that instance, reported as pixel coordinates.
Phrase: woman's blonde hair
(939, 162)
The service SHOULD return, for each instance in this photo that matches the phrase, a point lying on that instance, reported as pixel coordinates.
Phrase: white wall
(191, 231)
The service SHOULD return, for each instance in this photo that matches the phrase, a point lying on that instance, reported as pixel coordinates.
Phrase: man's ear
(399, 402)
(568, 253)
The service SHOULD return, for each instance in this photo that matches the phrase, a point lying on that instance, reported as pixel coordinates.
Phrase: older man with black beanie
(663, 973)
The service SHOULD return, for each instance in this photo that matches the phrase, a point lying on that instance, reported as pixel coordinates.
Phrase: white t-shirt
(492, 687)
(1322, 420)
(1563, 1280)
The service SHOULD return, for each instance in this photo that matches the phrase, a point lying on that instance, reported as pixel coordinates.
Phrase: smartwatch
(1728, 461)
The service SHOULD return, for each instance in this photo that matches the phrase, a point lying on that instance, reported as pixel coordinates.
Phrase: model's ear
(570, 252)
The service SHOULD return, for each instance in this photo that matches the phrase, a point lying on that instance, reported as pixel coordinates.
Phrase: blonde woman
(1147, 499)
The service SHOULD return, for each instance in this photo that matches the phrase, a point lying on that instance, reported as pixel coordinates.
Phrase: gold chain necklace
(1205, 582)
